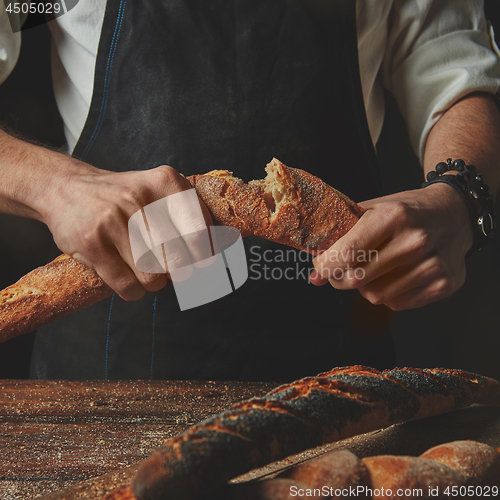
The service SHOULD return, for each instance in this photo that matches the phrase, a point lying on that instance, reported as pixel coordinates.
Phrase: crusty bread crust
(304, 414)
(459, 463)
(47, 293)
(289, 206)
(341, 469)
(478, 462)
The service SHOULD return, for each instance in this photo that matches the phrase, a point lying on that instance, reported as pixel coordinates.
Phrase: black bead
(432, 176)
(472, 170)
(459, 165)
(480, 179)
(441, 168)
(484, 190)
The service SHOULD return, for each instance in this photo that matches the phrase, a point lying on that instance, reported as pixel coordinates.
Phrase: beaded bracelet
(476, 194)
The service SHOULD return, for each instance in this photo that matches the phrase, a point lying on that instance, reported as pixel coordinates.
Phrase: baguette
(47, 293)
(338, 474)
(341, 469)
(292, 418)
(289, 206)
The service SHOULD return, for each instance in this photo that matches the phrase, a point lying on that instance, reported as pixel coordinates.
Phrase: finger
(413, 299)
(155, 237)
(394, 288)
(370, 232)
(117, 275)
(408, 249)
(147, 261)
(185, 211)
(175, 234)
(316, 279)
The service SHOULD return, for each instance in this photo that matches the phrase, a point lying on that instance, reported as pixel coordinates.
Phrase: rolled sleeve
(10, 45)
(441, 51)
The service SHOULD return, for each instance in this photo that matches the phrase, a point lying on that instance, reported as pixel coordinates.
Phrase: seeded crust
(310, 412)
(459, 463)
(48, 293)
(289, 206)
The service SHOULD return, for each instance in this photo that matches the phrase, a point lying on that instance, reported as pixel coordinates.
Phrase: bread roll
(388, 474)
(123, 492)
(340, 474)
(289, 206)
(274, 489)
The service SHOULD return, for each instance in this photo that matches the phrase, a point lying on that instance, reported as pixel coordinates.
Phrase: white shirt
(428, 53)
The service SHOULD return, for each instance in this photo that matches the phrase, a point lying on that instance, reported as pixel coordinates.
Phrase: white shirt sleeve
(10, 44)
(437, 52)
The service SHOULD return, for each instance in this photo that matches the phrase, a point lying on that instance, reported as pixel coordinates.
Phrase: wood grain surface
(56, 436)
(56, 433)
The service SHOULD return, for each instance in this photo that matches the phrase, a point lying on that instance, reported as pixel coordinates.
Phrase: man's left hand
(406, 251)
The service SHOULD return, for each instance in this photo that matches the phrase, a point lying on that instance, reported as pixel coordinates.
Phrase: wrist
(62, 185)
(475, 194)
(31, 177)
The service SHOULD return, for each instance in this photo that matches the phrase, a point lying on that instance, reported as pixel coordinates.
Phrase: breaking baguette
(289, 206)
(47, 293)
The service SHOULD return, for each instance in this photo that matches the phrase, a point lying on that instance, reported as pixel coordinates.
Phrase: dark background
(459, 333)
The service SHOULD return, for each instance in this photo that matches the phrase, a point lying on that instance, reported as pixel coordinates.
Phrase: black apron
(226, 84)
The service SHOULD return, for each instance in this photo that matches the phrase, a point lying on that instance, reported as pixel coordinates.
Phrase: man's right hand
(87, 209)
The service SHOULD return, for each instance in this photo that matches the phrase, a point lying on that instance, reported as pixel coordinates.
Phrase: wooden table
(55, 434)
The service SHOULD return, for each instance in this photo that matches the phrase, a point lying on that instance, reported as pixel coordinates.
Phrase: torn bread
(289, 206)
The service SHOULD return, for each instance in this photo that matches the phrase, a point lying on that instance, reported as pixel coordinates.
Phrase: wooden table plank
(57, 433)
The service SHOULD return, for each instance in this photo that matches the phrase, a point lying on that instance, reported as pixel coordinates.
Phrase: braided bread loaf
(289, 206)
(310, 412)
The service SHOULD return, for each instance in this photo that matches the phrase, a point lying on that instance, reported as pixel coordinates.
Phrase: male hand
(88, 215)
(406, 251)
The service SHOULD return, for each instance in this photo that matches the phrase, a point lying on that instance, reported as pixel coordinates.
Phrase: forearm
(30, 176)
(421, 236)
(86, 209)
(469, 130)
